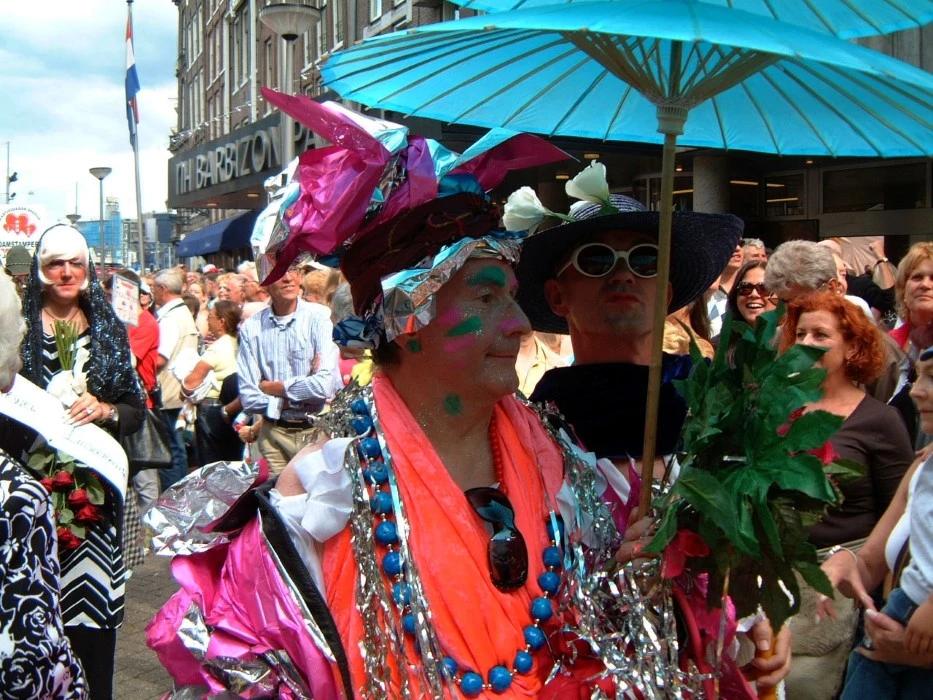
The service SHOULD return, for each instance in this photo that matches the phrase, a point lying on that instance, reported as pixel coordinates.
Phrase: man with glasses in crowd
(596, 279)
(288, 370)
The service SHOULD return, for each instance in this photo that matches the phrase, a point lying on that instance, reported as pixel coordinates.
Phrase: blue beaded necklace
(376, 474)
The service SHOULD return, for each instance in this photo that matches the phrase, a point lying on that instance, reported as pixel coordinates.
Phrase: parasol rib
(765, 119)
(839, 113)
(583, 94)
(790, 103)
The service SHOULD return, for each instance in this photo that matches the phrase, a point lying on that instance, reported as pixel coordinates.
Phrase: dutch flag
(132, 82)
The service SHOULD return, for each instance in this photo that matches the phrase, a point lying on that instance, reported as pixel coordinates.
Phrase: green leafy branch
(749, 485)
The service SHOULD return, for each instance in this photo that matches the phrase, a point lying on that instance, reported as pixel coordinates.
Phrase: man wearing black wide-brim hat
(595, 277)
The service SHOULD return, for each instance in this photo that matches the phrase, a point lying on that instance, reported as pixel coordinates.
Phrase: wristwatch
(879, 261)
(114, 416)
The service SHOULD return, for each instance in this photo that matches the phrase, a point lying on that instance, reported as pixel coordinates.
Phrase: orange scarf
(476, 624)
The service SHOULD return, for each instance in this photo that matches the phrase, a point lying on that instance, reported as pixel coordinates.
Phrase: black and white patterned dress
(93, 575)
(36, 660)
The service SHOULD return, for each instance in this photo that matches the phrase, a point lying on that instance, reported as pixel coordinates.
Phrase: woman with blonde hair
(913, 291)
(63, 290)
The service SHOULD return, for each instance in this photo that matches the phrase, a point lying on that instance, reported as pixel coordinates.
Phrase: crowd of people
(421, 522)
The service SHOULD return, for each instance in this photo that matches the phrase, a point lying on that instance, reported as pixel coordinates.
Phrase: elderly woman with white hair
(36, 661)
(63, 294)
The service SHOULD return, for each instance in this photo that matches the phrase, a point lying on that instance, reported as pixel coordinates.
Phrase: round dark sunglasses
(599, 259)
(506, 552)
(745, 289)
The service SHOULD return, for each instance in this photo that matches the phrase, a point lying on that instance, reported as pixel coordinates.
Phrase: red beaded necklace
(497, 453)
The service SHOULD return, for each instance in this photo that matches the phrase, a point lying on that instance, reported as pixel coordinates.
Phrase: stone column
(711, 184)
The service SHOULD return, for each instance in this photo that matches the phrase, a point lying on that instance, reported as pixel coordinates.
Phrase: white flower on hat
(590, 184)
(524, 211)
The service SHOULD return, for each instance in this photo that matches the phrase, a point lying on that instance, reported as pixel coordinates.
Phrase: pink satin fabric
(242, 596)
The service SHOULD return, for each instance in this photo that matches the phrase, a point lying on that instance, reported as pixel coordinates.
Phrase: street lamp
(289, 20)
(100, 174)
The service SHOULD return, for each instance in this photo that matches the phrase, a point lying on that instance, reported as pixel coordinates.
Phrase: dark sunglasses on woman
(599, 259)
(745, 289)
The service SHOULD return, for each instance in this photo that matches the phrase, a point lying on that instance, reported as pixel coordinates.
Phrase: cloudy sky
(62, 79)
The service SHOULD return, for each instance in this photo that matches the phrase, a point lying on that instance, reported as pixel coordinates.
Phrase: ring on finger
(89, 411)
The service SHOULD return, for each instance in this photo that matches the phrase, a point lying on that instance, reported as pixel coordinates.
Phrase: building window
(785, 195)
(236, 49)
(309, 42)
(239, 57)
(197, 32)
(647, 190)
(744, 195)
(902, 186)
(339, 23)
(375, 10)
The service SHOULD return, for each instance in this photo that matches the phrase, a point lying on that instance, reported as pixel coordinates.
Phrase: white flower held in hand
(524, 211)
(590, 184)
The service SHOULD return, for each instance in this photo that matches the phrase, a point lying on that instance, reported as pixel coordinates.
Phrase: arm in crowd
(319, 385)
(250, 375)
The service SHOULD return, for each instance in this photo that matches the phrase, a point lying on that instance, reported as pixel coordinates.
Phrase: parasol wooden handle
(767, 693)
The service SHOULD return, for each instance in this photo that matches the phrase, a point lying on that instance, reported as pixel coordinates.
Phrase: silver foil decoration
(194, 632)
(624, 612)
(249, 679)
(178, 518)
(288, 674)
(408, 296)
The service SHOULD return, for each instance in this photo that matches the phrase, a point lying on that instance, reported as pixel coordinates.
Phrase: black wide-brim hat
(701, 245)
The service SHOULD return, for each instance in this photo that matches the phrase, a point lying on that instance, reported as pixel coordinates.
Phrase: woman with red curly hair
(874, 435)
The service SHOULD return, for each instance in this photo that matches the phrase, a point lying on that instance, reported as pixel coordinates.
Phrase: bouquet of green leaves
(756, 472)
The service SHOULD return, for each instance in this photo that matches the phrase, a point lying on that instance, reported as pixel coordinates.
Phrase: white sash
(28, 404)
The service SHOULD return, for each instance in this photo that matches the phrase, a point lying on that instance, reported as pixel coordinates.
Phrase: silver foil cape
(625, 614)
(408, 297)
(178, 518)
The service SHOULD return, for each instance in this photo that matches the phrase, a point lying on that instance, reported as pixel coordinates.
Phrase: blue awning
(228, 234)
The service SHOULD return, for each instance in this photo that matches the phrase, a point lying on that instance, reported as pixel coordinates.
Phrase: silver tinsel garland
(623, 613)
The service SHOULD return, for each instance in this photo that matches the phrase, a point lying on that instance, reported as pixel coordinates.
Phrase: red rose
(88, 514)
(62, 481)
(47, 482)
(77, 499)
(67, 539)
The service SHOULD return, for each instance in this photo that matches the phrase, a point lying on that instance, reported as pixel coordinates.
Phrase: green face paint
(470, 325)
(413, 346)
(490, 274)
(453, 405)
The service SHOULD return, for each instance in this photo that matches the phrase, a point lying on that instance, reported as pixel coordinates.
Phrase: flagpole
(134, 134)
(139, 210)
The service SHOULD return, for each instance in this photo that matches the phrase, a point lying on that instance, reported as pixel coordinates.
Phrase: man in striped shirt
(287, 367)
